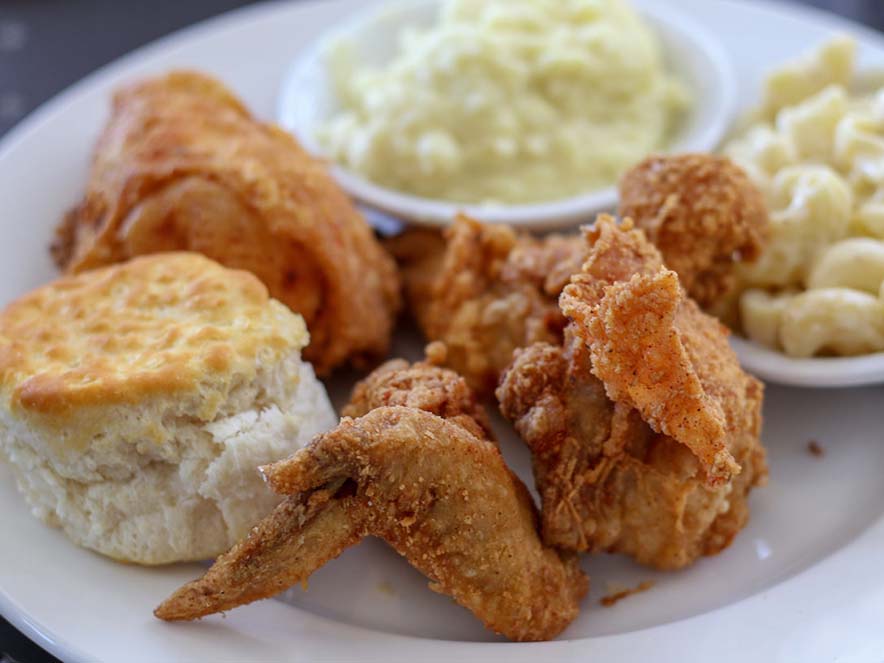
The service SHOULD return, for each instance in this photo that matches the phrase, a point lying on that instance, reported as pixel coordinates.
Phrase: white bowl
(308, 100)
(777, 367)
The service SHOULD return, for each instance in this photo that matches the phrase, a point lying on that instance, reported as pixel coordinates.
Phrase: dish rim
(811, 372)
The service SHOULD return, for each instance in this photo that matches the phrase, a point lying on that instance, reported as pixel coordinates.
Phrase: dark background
(45, 45)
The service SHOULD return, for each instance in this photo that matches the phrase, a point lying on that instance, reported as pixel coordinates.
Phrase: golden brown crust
(160, 325)
(704, 215)
(484, 291)
(653, 348)
(182, 165)
(422, 386)
(437, 493)
(639, 357)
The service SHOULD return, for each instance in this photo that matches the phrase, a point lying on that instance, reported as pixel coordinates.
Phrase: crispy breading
(423, 386)
(653, 348)
(644, 431)
(137, 399)
(182, 165)
(436, 492)
(485, 290)
(166, 326)
(703, 213)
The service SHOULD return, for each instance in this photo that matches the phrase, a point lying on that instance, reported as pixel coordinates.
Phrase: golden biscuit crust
(162, 325)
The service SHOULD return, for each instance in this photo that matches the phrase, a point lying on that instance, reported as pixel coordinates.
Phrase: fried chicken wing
(436, 492)
(182, 165)
(703, 213)
(484, 291)
(644, 431)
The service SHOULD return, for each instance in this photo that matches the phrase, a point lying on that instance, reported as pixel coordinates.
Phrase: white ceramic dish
(777, 367)
(308, 100)
(803, 582)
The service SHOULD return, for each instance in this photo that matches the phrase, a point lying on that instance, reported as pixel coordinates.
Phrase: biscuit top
(163, 325)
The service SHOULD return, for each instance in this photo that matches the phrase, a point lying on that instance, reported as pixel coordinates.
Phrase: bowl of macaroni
(517, 111)
(811, 309)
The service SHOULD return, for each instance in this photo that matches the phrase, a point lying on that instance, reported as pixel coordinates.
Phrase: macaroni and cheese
(817, 151)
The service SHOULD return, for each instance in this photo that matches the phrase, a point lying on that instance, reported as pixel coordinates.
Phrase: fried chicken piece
(654, 349)
(644, 431)
(439, 494)
(703, 213)
(182, 165)
(423, 386)
(484, 291)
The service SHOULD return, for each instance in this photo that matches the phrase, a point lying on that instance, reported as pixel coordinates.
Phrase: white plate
(690, 51)
(803, 582)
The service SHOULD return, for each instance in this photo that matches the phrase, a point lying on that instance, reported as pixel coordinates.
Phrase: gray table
(45, 45)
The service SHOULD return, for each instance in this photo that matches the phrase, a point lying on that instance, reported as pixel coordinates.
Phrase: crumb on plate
(386, 587)
(613, 597)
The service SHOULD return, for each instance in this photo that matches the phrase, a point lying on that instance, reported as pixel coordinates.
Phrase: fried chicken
(182, 165)
(485, 290)
(427, 484)
(644, 431)
(422, 386)
(704, 215)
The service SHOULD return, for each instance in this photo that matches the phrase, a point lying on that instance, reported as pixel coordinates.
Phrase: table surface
(46, 45)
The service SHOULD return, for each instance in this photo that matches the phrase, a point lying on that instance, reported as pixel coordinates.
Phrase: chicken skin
(703, 213)
(644, 431)
(430, 486)
(183, 165)
(485, 290)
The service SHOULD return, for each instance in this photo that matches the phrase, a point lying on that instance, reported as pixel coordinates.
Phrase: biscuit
(138, 400)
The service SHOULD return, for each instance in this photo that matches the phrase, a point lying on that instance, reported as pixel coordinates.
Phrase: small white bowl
(776, 367)
(308, 100)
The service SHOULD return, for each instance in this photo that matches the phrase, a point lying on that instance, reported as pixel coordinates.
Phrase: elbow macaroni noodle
(817, 152)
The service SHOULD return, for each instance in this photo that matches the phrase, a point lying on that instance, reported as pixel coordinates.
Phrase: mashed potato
(507, 101)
